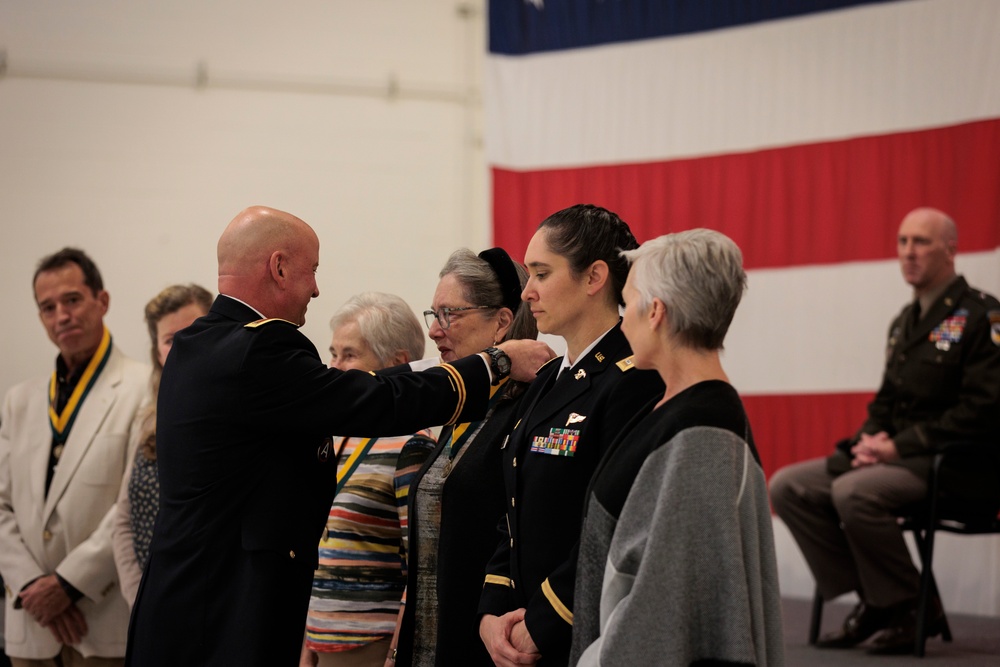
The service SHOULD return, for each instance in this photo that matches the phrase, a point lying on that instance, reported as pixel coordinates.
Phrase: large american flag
(803, 129)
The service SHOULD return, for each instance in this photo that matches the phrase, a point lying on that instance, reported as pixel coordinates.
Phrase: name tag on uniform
(559, 442)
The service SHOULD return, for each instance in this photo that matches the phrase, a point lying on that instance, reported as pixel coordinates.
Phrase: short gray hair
(698, 275)
(481, 287)
(386, 323)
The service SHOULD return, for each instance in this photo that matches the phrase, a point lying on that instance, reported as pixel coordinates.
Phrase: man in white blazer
(63, 449)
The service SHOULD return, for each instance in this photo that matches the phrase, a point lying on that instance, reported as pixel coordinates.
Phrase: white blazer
(69, 531)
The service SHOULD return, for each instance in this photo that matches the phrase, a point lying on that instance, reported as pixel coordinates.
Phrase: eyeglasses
(444, 315)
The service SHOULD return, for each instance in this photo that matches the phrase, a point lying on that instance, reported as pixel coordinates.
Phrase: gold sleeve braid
(458, 385)
(557, 604)
(499, 581)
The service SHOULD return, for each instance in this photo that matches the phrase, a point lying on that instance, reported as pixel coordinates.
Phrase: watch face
(500, 363)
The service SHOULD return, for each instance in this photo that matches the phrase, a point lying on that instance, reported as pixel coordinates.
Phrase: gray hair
(698, 275)
(481, 287)
(386, 323)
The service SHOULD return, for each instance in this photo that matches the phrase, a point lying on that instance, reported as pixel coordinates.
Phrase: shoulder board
(626, 364)
(547, 363)
(259, 323)
(985, 298)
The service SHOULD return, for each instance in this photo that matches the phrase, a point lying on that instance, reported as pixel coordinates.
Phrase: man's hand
(69, 627)
(495, 631)
(872, 449)
(521, 639)
(44, 599)
(526, 356)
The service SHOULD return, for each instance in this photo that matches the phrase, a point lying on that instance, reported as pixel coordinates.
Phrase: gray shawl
(687, 575)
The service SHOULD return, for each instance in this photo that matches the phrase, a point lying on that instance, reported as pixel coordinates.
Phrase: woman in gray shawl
(677, 561)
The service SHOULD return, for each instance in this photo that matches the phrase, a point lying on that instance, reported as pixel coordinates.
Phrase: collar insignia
(627, 363)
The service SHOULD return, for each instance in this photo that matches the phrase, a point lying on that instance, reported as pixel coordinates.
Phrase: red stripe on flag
(796, 427)
(809, 204)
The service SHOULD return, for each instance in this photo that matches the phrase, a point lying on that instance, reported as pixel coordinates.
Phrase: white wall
(137, 130)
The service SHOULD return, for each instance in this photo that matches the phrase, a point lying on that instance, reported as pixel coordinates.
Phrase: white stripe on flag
(845, 309)
(827, 76)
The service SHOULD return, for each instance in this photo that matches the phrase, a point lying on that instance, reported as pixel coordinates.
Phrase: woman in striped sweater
(362, 568)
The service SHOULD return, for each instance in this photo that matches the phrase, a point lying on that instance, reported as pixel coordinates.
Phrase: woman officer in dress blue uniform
(571, 413)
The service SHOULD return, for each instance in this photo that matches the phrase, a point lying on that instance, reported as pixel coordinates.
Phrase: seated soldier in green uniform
(941, 384)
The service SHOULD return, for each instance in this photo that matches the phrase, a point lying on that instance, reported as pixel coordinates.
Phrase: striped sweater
(362, 566)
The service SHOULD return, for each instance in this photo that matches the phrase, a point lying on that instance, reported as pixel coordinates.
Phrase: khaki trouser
(69, 657)
(847, 530)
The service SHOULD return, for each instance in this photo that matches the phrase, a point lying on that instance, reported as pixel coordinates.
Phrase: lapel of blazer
(939, 310)
(40, 443)
(88, 422)
(577, 381)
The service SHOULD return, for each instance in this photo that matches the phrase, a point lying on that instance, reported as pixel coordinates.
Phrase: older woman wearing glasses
(457, 497)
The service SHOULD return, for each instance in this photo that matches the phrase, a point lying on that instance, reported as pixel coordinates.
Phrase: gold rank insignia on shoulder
(258, 323)
(547, 363)
(580, 374)
(627, 363)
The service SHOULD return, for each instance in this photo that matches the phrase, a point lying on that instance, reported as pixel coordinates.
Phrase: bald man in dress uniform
(247, 472)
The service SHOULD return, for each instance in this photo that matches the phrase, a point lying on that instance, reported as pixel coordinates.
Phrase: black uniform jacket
(565, 426)
(247, 477)
(472, 502)
(941, 380)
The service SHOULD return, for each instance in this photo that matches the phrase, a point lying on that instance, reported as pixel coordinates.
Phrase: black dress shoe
(900, 636)
(860, 624)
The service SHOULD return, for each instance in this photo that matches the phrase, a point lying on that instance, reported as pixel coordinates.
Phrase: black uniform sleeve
(288, 386)
(496, 598)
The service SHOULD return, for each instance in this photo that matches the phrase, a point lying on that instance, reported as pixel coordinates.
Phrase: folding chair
(938, 512)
